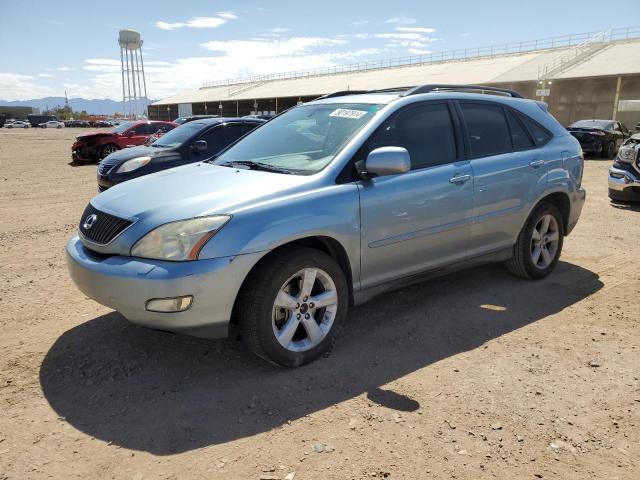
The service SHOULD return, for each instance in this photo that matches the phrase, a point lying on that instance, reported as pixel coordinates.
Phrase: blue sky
(53, 46)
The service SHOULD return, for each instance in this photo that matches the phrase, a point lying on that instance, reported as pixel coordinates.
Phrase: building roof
(603, 59)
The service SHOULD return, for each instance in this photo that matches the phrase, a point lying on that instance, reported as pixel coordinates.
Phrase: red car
(97, 145)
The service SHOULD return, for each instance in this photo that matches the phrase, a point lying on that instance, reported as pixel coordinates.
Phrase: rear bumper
(126, 284)
(624, 184)
(577, 202)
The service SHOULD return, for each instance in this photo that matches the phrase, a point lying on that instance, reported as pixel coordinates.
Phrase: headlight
(179, 241)
(627, 154)
(133, 164)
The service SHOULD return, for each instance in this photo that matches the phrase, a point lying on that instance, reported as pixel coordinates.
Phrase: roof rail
(447, 87)
(343, 93)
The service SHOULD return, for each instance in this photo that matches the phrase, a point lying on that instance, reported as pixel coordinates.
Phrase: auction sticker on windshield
(346, 113)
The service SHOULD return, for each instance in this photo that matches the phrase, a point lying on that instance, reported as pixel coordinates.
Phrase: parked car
(17, 124)
(599, 137)
(188, 143)
(262, 116)
(327, 205)
(97, 145)
(35, 119)
(624, 174)
(191, 118)
(52, 124)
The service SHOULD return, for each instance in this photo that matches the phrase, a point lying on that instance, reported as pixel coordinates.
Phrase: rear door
(140, 133)
(509, 171)
(419, 220)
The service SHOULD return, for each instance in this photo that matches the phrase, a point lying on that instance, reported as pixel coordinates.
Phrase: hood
(195, 190)
(121, 156)
(95, 134)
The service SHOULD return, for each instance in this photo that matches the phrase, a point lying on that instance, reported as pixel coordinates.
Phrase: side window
(540, 134)
(142, 129)
(160, 127)
(247, 127)
(426, 131)
(221, 136)
(487, 129)
(519, 136)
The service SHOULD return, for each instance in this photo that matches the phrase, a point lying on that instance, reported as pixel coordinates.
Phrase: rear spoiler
(543, 106)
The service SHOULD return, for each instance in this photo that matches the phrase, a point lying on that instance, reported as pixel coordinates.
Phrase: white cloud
(64, 69)
(45, 75)
(14, 86)
(242, 49)
(416, 29)
(399, 36)
(198, 22)
(405, 20)
(418, 51)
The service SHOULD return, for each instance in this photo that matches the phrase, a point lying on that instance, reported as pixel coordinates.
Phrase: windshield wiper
(265, 167)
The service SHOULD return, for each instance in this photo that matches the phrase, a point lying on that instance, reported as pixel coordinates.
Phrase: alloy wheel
(304, 309)
(544, 241)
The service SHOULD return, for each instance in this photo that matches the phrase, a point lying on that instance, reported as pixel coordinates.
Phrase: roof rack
(343, 93)
(447, 87)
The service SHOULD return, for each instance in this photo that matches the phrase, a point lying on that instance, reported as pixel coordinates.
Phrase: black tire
(104, 151)
(255, 304)
(521, 264)
(609, 150)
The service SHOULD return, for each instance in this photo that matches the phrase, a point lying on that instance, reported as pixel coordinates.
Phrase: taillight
(600, 134)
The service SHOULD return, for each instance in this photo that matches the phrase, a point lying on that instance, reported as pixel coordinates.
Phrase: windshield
(602, 124)
(303, 140)
(178, 135)
(122, 127)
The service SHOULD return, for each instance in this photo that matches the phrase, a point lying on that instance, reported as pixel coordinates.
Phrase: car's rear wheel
(609, 150)
(108, 150)
(539, 243)
(293, 306)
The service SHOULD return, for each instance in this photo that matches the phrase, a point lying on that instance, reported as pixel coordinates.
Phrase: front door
(419, 220)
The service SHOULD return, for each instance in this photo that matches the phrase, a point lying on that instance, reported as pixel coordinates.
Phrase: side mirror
(130, 133)
(385, 161)
(199, 145)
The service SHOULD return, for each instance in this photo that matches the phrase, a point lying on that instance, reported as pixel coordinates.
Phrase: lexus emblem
(89, 221)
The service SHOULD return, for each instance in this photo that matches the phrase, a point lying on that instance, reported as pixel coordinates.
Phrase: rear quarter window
(540, 134)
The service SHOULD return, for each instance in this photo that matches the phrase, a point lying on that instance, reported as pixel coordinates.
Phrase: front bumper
(82, 152)
(127, 283)
(624, 184)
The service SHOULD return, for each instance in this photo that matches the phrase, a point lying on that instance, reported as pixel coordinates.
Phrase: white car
(51, 124)
(17, 124)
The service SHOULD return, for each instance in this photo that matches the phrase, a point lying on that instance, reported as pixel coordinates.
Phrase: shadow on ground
(629, 206)
(162, 393)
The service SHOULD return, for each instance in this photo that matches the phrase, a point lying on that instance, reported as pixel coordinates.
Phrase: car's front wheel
(293, 306)
(539, 244)
(108, 150)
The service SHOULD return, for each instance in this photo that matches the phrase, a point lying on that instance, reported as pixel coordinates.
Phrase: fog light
(169, 305)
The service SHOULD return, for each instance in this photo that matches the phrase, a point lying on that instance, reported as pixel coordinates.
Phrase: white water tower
(134, 84)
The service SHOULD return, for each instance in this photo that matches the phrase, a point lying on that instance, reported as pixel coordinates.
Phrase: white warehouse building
(591, 75)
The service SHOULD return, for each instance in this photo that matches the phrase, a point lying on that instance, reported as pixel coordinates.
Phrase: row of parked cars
(321, 208)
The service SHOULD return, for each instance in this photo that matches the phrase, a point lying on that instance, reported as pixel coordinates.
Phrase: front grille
(104, 168)
(104, 227)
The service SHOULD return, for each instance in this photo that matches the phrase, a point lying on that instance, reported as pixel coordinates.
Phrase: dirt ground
(474, 375)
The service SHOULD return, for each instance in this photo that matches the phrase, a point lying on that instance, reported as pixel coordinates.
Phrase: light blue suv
(329, 204)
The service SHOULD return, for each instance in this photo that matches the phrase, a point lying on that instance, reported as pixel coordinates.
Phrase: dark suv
(96, 145)
(192, 142)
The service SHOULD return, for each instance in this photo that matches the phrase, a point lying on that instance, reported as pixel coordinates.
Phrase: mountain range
(91, 106)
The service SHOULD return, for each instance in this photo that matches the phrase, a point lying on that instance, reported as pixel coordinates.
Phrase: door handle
(460, 179)
(536, 163)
